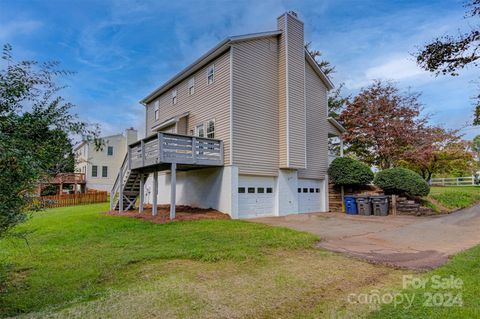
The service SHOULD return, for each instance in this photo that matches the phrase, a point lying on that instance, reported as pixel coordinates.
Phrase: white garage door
(309, 196)
(255, 196)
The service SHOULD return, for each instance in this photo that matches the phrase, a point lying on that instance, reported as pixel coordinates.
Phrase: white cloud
(397, 68)
(16, 28)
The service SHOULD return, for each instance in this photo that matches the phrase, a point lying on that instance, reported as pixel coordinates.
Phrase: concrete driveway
(398, 241)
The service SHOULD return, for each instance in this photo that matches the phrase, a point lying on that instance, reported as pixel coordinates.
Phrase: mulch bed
(182, 213)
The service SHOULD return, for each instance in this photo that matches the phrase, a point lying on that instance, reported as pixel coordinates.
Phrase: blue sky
(122, 50)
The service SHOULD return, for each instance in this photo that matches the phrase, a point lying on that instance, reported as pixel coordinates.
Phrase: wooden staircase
(131, 191)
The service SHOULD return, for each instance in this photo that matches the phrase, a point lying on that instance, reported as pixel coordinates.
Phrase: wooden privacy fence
(72, 199)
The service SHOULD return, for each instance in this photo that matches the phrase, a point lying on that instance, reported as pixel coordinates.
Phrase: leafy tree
(449, 54)
(382, 123)
(476, 145)
(36, 131)
(336, 99)
(438, 151)
(400, 181)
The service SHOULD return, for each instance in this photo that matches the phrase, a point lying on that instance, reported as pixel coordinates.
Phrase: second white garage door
(309, 195)
(255, 196)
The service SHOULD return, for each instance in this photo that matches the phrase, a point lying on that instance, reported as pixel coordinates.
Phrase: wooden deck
(174, 148)
(163, 151)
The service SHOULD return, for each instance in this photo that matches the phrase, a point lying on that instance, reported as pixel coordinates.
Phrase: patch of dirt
(182, 213)
(443, 209)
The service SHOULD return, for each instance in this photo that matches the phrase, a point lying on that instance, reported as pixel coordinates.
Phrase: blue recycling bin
(350, 205)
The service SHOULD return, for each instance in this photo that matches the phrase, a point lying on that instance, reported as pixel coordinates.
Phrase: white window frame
(203, 126)
(157, 110)
(191, 86)
(207, 125)
(197, 129)
(106, 175)
(211, 73)
(108, 147)
(174, 96)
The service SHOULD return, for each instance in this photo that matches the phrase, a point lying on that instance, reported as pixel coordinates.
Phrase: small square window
(269, 190)
(191, 86)
(299, 190)
(260, 190)
(174, 96)
(110, 150)
(211, 74)
(317, 190)
(251, 190)
(241, 190)
(305, 190)
(311, 190)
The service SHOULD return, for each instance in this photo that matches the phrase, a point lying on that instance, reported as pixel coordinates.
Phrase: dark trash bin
(350, 205)
(380, 205)
(364, 205)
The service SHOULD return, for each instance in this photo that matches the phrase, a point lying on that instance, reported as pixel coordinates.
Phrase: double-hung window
(110, 150)
(210, 128)
(211, 74)
(191, 86)
(200, 130)
(104, 171)
(94, 170)
(157, 110)
(174, 96)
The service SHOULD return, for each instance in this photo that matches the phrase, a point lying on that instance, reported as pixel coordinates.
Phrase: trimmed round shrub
(350, 172)
(401, 181)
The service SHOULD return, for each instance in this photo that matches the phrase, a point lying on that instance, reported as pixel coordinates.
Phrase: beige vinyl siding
(282, 95)
(208, 102)
(255, 107)
(296, 92)
(317, 126)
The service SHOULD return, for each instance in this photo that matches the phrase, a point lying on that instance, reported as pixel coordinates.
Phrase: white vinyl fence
(454, 181)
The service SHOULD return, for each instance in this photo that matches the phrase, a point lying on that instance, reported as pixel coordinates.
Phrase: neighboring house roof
(215, 52)
(337, 125)
(103, 137)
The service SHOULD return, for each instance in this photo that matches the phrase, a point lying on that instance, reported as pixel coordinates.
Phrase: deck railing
(175, 148)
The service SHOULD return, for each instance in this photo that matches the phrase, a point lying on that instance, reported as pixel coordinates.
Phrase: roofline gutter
(198, 63)
(337, 125)
(319, 71)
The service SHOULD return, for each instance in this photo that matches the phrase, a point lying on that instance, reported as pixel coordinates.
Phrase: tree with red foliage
(382, 123)
(438, 151)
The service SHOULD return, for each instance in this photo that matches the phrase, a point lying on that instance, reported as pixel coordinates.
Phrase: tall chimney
(132, 135)
(292, 92)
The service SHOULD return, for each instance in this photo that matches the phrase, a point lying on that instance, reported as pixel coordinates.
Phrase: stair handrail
(116, 185)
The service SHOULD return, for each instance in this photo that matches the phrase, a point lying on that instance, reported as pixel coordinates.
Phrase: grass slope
(465, 266)
(454, 198)
(76, 253)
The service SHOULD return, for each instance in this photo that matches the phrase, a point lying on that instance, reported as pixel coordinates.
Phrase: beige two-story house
(101, 165)
(244, 130)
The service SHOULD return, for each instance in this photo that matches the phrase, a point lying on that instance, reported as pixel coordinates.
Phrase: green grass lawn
(452, 198)
(75, 252)
(464, 266)
(81, 263)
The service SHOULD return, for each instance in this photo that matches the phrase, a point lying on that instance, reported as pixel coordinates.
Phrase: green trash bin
(380, 205)
(364, 205)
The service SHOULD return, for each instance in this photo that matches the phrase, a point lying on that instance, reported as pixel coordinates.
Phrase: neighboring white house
(244, 130)
(101, 166)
